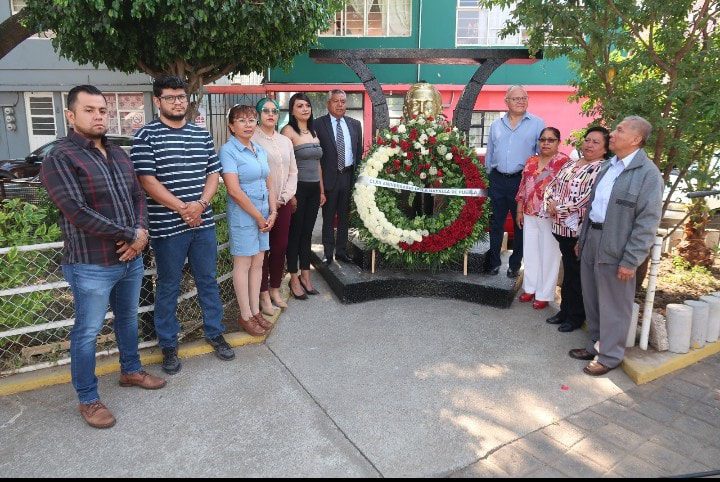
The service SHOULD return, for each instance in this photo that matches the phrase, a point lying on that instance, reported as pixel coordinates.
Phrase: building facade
(425, 24)
(34, 82)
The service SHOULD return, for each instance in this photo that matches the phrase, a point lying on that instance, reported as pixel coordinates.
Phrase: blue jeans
(93, 287)
(502, 191)
(199, 246)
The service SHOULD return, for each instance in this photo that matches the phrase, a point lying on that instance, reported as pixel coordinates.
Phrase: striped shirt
(180, 159)
(100, 199)
(571, 192)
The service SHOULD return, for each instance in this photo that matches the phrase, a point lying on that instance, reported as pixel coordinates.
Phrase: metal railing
(37, 314)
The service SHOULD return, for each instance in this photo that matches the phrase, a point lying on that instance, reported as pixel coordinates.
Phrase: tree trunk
(692, 248)
(13, 33)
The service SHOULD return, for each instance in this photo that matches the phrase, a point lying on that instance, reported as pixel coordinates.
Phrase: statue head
(422, 99)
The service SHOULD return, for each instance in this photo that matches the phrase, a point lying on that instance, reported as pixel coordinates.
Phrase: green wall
(438, 31)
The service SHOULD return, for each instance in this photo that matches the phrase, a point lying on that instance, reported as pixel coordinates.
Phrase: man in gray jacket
(615, 238)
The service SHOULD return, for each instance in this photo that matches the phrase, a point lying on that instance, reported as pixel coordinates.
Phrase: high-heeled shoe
(310, 292)
(298, 297)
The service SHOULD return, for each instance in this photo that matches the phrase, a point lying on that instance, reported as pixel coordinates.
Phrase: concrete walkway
(404, 387)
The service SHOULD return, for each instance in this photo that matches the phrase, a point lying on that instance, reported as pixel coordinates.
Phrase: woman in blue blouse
(251, 212)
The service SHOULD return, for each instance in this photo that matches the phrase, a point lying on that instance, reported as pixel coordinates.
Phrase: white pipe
(650, 295)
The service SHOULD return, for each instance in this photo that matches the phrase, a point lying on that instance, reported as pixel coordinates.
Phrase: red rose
(407, 167)
(380, 141)
(432, 140)
(436, 183)
(393, 129)
(393, 144)
(410, 155)
(404, 145)
(396, 162)
(413, 134)
(440, 173)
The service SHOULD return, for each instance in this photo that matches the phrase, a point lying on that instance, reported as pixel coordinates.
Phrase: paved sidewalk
(403, 387)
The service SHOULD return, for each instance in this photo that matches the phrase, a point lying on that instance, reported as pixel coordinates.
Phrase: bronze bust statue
(422, 99)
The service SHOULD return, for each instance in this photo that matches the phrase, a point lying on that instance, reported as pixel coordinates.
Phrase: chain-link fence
(37, 315)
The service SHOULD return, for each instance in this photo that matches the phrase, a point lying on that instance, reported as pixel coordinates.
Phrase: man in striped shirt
(177, 166)
(104, 224)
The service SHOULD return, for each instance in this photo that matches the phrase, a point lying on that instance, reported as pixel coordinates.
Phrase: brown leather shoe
(581, 354)
(263, 322)
(96, 414)
(596, 369)
(251, 326)
(142, 379)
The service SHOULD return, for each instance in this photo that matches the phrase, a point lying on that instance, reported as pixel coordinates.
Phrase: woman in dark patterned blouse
(566, 200)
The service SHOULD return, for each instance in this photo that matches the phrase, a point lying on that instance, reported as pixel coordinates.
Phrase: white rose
(448, 156)
(423, 175)
(442, 149)
(424, 151)
(402, 129)
(387, 136)
(431, 132)
(432, 170)
(421, 120)
(423, 138)
(455, 129)
(396, 138)
(417, 145)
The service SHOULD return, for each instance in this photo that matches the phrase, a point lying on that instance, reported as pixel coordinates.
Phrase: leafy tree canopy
(655, 58)
(200, 40)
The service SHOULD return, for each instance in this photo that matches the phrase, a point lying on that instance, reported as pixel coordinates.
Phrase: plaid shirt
(100, 200)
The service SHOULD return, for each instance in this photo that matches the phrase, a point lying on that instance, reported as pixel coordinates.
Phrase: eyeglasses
(517, 99)
(243, 120)
(270, 111)
(548, 139)
(172, 99)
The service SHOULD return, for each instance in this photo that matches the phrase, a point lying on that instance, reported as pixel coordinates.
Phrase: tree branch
(13, 32)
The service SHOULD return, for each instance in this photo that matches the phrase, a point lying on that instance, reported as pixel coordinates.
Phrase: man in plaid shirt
(103, 218)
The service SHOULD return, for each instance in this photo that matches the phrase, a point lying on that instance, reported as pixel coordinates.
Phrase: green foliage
(655, 58)
(22, 223)
(696, 277)
(201, 40)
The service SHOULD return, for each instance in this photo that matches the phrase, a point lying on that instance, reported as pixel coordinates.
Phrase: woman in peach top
(541, 253)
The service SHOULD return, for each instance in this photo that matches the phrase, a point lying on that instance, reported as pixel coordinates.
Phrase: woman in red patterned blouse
(566, 200)
(541, 254)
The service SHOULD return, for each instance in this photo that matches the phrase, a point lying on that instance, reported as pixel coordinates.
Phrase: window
(372, 18)
(395, 108)
(480, 26)
(126, 112)
(16, 6)
(480, 127)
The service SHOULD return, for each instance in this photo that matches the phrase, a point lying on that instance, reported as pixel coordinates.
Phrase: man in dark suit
(341, 142)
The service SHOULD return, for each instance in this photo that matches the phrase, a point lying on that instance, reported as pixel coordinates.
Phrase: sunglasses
(548, 139)
(270, 111)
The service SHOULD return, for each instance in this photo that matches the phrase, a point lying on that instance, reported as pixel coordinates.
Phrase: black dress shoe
(513, 273)
(555, 319)
(344, 258)
(491, 271)
(326, 261)
(566, 327)
(310, 292)
(580, 354)
(298, 297)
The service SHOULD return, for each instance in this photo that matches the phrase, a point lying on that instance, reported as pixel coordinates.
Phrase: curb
(645, 366)
(111, 364)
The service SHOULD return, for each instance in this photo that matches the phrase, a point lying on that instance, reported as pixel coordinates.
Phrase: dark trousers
(302, 223)
(502, 191)
(274, 263)
(571, 306)
(337, 201)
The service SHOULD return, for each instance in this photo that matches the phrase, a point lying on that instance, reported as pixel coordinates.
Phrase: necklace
(304, 132)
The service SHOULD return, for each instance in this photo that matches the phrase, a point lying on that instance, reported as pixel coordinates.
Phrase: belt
(509, 175)
(596, 225)
(345, 169)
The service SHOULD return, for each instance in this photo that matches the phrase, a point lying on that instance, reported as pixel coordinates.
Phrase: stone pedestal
(713, 328)
(679, 327)
(699, 322)
(632, 331)
(354, 283)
